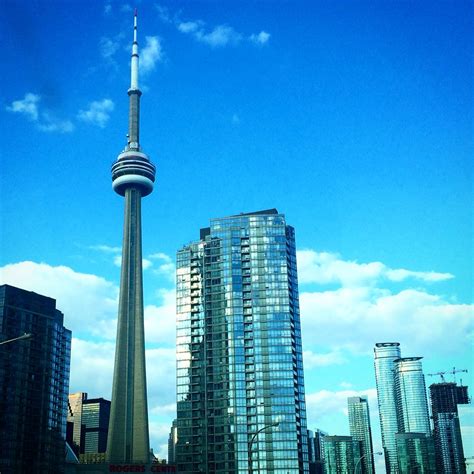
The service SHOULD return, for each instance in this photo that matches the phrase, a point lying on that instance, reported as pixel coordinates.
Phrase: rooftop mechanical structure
(133, 176)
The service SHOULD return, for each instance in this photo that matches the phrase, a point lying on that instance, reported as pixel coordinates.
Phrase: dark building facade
(34, 383)
(95, 420)
(240, 387)
(445, 398)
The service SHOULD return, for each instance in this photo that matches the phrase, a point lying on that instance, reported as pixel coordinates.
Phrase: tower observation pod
(133, 176)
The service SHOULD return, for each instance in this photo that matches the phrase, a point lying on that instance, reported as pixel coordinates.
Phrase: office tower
(240, 387)
(34, 383)
(385, 355)
(315, 451)
(172, 440)
(95, 419)
(74, 416)
(133, 176)
(342, 455)
(415, 452)
(359, 425)
(445, 398)
(466, 424)
(411, 400)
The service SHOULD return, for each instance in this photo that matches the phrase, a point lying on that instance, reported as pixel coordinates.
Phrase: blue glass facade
(239, 355)
(410, 390)
(385, 355)
(342, 454)
(359, 426)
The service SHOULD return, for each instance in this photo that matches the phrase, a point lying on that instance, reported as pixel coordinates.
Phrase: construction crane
(442, 374)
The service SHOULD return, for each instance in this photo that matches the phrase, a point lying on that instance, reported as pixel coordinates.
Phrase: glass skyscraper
(385, 355)
(34, 383)
(466, 423)
(240, 388)
(359, 426)
(341, 454)
(411, 400)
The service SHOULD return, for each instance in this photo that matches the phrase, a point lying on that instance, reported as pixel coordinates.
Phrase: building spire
(134, 62)
(134, 93)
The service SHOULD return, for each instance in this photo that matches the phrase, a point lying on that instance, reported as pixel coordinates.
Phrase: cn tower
(133, 176)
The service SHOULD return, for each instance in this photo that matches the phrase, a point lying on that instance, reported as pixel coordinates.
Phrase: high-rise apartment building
(315, 451)
(385, 355)
(34, 383)
(403, 406)
(466, 423)
(133, 177)
(342, 455)
(411, 399)
(240, 388)
(445, 398)
(415, 453)
(359, 426)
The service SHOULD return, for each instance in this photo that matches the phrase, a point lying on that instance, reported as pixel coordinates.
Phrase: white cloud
(107, 9)
(167, 268)
(45, 121)
(92, 365)
(146, 263)
(105, 248)
(221, 35)
(98, 112)
(89, 302)
(326, 267)
(356, 318)
(312, 359)
(190, 26)
(150, 54)
(324, 404)
(160, 321)
(235, 119)
(160, 256)
(49, 123)
(261, 38)
(218, 36)
(118, 260)
(108, 47)
(27, 106)
(163, 13)
(126, 8)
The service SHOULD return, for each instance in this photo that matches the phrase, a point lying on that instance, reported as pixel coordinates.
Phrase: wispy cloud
(328, 268)
(261, 38)
(166, 266)
(107, 8)
(214, 36)
(98, 112)
(28, 106)
(45, 120)
(108, 47)
(105, 248)
(151, 54)
(312, 359)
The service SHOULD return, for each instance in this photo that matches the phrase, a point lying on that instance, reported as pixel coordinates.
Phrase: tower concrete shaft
(133, 176)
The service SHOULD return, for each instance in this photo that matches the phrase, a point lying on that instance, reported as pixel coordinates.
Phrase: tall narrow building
(411, 399)
(385, 354)
(133, 176)
(240, 388)
(445, 398)
(359, 426)
(34, 383)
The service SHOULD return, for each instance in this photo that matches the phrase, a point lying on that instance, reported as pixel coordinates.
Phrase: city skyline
(351, 121)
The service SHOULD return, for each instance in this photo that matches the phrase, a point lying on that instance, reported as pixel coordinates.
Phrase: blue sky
(352, 118)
